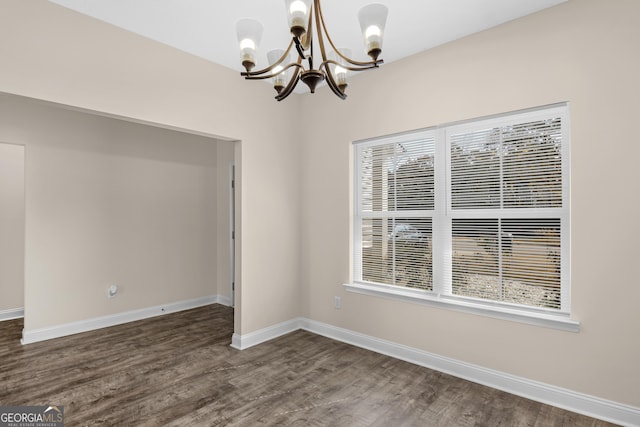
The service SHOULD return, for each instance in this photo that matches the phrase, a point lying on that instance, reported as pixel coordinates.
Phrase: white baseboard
(555, 396)
(58, 331)
(245, 341)
(14, 313)
(222, 300)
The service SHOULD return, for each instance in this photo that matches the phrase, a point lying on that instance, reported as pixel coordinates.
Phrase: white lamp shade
(249, 33)
(273, 57)
(340, 71)
(373, 19)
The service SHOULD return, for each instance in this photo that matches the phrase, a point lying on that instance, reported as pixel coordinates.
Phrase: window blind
(480, 206)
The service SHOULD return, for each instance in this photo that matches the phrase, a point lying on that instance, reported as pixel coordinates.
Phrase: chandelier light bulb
(298, 13)
(298, 7)
(279, 79)
(341, 77)
(339, 69)
(247, 45)
(372, 37)
(372, 32)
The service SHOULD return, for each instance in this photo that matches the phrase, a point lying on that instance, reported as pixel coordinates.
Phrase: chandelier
(302, 14)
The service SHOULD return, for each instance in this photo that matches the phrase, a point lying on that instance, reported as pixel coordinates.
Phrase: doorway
(12, 226)
(232, 223)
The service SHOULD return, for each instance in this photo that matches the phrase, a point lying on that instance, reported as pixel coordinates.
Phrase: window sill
(499, 311)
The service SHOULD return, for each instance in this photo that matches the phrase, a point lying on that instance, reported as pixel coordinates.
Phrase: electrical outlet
(112, 291)
(337, 302)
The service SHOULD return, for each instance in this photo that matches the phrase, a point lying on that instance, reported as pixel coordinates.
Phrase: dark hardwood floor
(179, 370)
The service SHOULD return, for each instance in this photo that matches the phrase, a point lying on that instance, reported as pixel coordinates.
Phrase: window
(472, 215)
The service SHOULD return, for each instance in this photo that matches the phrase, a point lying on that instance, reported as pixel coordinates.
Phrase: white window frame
(443, 214)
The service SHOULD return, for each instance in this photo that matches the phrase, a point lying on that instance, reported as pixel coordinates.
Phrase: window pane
(412, 176)
(398, 252)
(475, 263)
(511, 166)
(509, 260)
(531, 262)
(532, 164)
(397, 176)
(475, 170)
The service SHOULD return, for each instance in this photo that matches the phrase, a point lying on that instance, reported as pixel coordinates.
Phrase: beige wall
(53, 54)
(11, 227)
(583, 52)
(112, 202)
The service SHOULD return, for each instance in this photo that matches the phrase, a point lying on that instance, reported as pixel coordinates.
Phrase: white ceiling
(206, 28)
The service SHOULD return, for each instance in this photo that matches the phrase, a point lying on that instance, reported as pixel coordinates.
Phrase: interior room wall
(112, 203)
(57, 55)
(11, 227)
(580, 52)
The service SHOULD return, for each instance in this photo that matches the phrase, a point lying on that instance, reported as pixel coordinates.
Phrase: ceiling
(206, 28)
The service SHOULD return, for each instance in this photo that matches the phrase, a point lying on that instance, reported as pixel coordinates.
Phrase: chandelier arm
(367, 64)
(371, 66)
(332, 82)
(299, 47)
(252, 75)
(307, 37)
(318, 13)
(292, 83)
(268, 76)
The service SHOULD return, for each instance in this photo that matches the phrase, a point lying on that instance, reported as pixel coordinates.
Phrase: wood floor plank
(179, 370)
